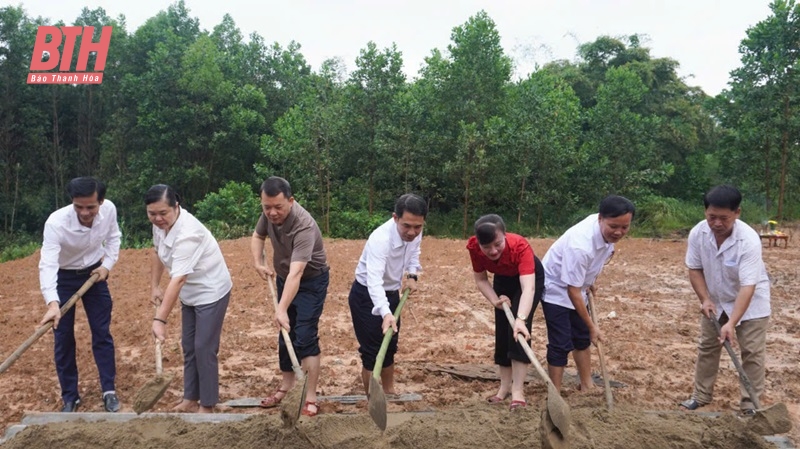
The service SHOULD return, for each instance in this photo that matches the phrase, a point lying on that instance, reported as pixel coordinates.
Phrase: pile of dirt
(474, 425)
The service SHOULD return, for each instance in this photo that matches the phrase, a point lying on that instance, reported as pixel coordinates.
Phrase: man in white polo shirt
(79, 240)
(730, 279)
(571, 267)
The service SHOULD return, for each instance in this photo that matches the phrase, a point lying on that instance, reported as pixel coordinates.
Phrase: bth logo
(69, 34)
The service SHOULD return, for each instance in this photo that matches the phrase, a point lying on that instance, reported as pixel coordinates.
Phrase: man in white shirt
(79, 240)
(571, 267)
(730, 279)
(391, 250)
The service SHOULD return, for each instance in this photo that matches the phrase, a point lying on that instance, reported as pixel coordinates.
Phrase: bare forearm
(698, 281)
(257, 249)
(741, 303)
(170, 297)
(156, 270)
(576, 297)
(290, 289)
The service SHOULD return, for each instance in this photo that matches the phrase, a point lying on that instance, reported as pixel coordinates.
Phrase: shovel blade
(150, 393)
(771, 420)
(558, 411)
(551, 436)
(292, 404)
(377, 403)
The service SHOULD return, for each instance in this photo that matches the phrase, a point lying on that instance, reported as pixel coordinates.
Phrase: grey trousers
(201, 331)
(752, 338)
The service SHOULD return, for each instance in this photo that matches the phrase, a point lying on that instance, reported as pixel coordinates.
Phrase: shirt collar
(289, 218)
(170, 237)
(395, 240)
(75, 224)
(597, 236)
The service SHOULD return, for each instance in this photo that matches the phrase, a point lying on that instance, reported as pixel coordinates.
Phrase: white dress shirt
(736, 263)
(384, 260)
(190, 249)
(69, 245)
(575, 259)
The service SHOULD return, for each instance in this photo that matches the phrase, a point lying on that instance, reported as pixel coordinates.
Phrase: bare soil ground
(650, 348)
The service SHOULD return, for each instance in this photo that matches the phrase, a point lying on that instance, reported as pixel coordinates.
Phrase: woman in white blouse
(200, 279)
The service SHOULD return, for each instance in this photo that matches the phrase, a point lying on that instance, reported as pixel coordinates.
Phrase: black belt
(82, 271)
(388, 292)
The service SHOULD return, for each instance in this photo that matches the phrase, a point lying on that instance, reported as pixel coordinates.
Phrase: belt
(82, 271)
(388, 292)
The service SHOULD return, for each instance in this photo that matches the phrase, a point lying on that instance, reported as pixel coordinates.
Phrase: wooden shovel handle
(599, 344)
(284, 332)
(376, 372)
(46, 326)
(526, 347)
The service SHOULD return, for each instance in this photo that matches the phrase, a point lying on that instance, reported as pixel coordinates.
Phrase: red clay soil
(650, 348)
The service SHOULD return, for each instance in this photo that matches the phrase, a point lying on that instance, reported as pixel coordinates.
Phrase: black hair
(162, 192)
(614, 206)
(86, 186)
(412, 203)
(487, 226)
(725, 195)
(274, 185)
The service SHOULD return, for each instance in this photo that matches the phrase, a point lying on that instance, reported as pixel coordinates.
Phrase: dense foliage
(212, 113)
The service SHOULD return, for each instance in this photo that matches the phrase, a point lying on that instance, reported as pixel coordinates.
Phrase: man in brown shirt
(302, 277)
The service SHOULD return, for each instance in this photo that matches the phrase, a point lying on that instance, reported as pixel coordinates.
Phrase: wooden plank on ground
(347, 399)
(489, 373)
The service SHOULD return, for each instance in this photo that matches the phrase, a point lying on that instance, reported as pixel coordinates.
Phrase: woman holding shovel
(510, 257)
(200, 279)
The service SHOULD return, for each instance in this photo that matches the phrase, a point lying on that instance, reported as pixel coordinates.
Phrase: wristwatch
(411, 276)
(522, 317)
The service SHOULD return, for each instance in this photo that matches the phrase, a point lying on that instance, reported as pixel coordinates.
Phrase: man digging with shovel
(302, 272)
(391, 250)
(81, 239)
(729, 277)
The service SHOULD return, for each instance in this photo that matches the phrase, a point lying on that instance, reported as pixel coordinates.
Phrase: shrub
(230, 212)
(355, 224)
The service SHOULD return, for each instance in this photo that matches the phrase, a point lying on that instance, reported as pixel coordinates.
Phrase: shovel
(769, 421)
(377, 399)
(599, 344)
(292, 403)
(44, 328)
(556, 417)
(152, 391)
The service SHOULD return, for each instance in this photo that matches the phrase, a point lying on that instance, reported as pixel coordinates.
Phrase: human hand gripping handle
(286, 339)
(748, 386)
(48, 322)
(376, 372)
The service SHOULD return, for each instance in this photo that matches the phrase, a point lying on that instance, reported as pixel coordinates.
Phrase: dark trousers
(368, 327)
(506, 348)
(97, 304)
(566, 332)
(304, 313)
(201, 328)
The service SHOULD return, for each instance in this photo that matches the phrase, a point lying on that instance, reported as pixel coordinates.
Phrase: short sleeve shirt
(189, 249)
(517, 257)
(298, 239)
(736, 263)
(575, 259)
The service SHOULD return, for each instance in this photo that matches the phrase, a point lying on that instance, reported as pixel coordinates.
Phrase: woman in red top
(510, 257)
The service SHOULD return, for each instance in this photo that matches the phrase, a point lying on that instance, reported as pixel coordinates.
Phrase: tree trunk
(784, 157)
(371, 190)
(521, 201)
(767, 175)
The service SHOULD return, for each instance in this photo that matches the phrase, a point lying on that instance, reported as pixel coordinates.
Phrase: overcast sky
(702, 35)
